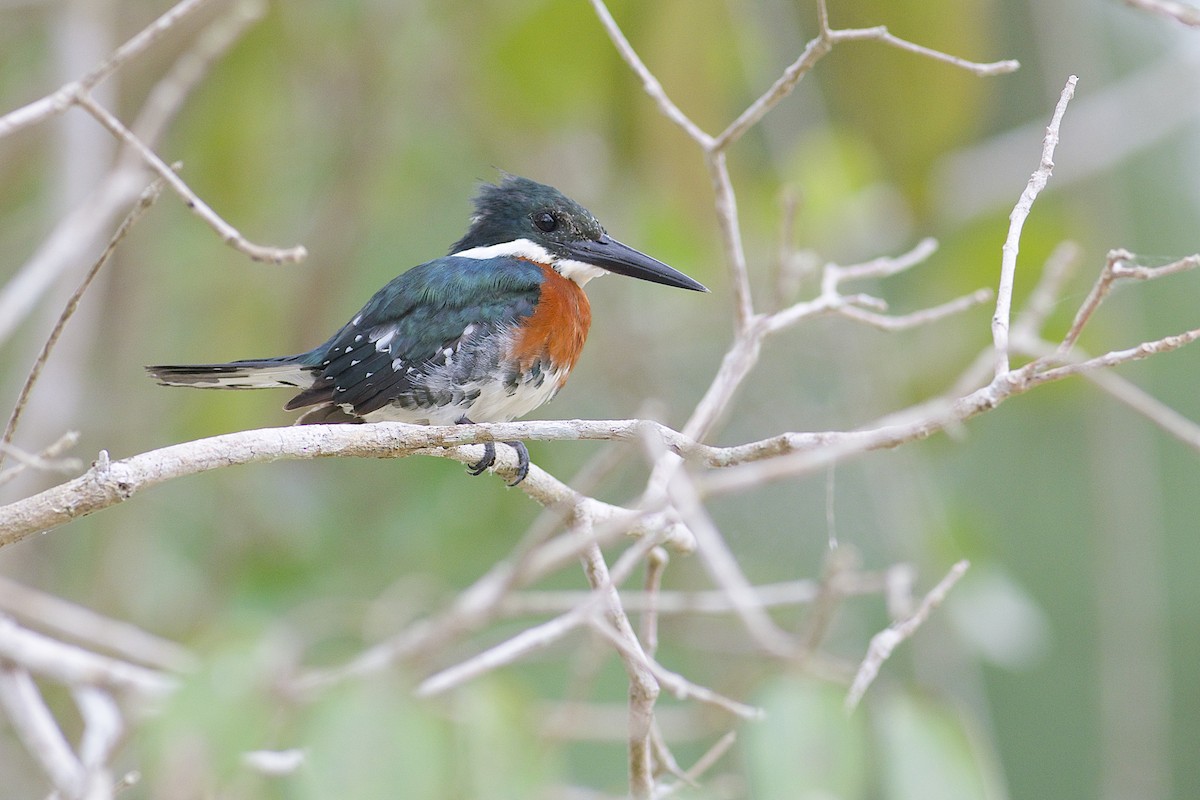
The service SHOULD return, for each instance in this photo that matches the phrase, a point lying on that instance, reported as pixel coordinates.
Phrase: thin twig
(673, 682)
(73, 665)
(60, 100)
(1180, 12)
(93, 630)
(102, 732)
(507, 652)
(1012, 244)
(37, 729)
(1114, 358)
(731, 236)
(656, 563)
(149, 195)
(723, 568)
(1118, 266)
(48, 459)
(75, 232)
(884, 642)
(881, 34)
(643, 686)
(650, 84)
(903, 322)
(229, 234)
(769, 595)
(702, 765)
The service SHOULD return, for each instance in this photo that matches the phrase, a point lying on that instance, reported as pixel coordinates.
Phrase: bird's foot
(489, 457)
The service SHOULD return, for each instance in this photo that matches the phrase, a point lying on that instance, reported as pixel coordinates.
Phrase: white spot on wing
(384, 337)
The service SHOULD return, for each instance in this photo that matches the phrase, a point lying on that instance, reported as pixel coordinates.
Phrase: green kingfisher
(485, 334)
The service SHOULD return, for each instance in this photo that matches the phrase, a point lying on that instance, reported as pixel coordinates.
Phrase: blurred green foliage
(361, 128)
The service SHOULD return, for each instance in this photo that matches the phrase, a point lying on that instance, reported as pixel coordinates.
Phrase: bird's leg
(489, 456)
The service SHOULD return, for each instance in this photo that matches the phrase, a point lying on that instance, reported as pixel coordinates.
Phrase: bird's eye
(545, 221)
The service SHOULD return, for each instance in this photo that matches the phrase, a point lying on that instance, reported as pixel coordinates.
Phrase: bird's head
(526, 219)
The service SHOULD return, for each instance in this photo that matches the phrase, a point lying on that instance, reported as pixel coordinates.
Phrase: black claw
(489, 458)
(522, 461)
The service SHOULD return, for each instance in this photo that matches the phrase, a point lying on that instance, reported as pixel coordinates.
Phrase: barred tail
(258, 373)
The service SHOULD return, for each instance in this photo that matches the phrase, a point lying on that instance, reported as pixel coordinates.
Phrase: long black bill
(622, 259)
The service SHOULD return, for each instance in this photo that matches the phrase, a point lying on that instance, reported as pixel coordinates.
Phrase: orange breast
(558, 327)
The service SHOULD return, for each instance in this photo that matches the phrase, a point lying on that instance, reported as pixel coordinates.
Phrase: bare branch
(83, 625)
(818, 48)
(76, 666)
(48, 459)
(783, 86)
(507, 652)
(702, 765)
(881, 34)
(1115, 358)
(63, 98)
(78, 93)
(1117, 267)
(229, 234)
(35, 725)
(676, 684)
(120, 187)
(102, 732)
(650, 83)
(110, 482)
(884, 642)
(769, 595)
(1012, 244)
(723, 568)
(731, 236)
(643, 686)
(656, 563)
(1180, 12)
(143, 205)
(925, 316)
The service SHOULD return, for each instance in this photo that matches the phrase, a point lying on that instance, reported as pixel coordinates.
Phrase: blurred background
(1064, 665)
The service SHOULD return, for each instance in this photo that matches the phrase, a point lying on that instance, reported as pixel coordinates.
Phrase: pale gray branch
(73, 666)
(35, 725)
(1118, 266)
(83, 625)
(1012, 244)
(149, 195)
(887, 640)
(1180, 12)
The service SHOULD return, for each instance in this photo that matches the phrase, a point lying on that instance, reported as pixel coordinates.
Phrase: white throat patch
(577, 271)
